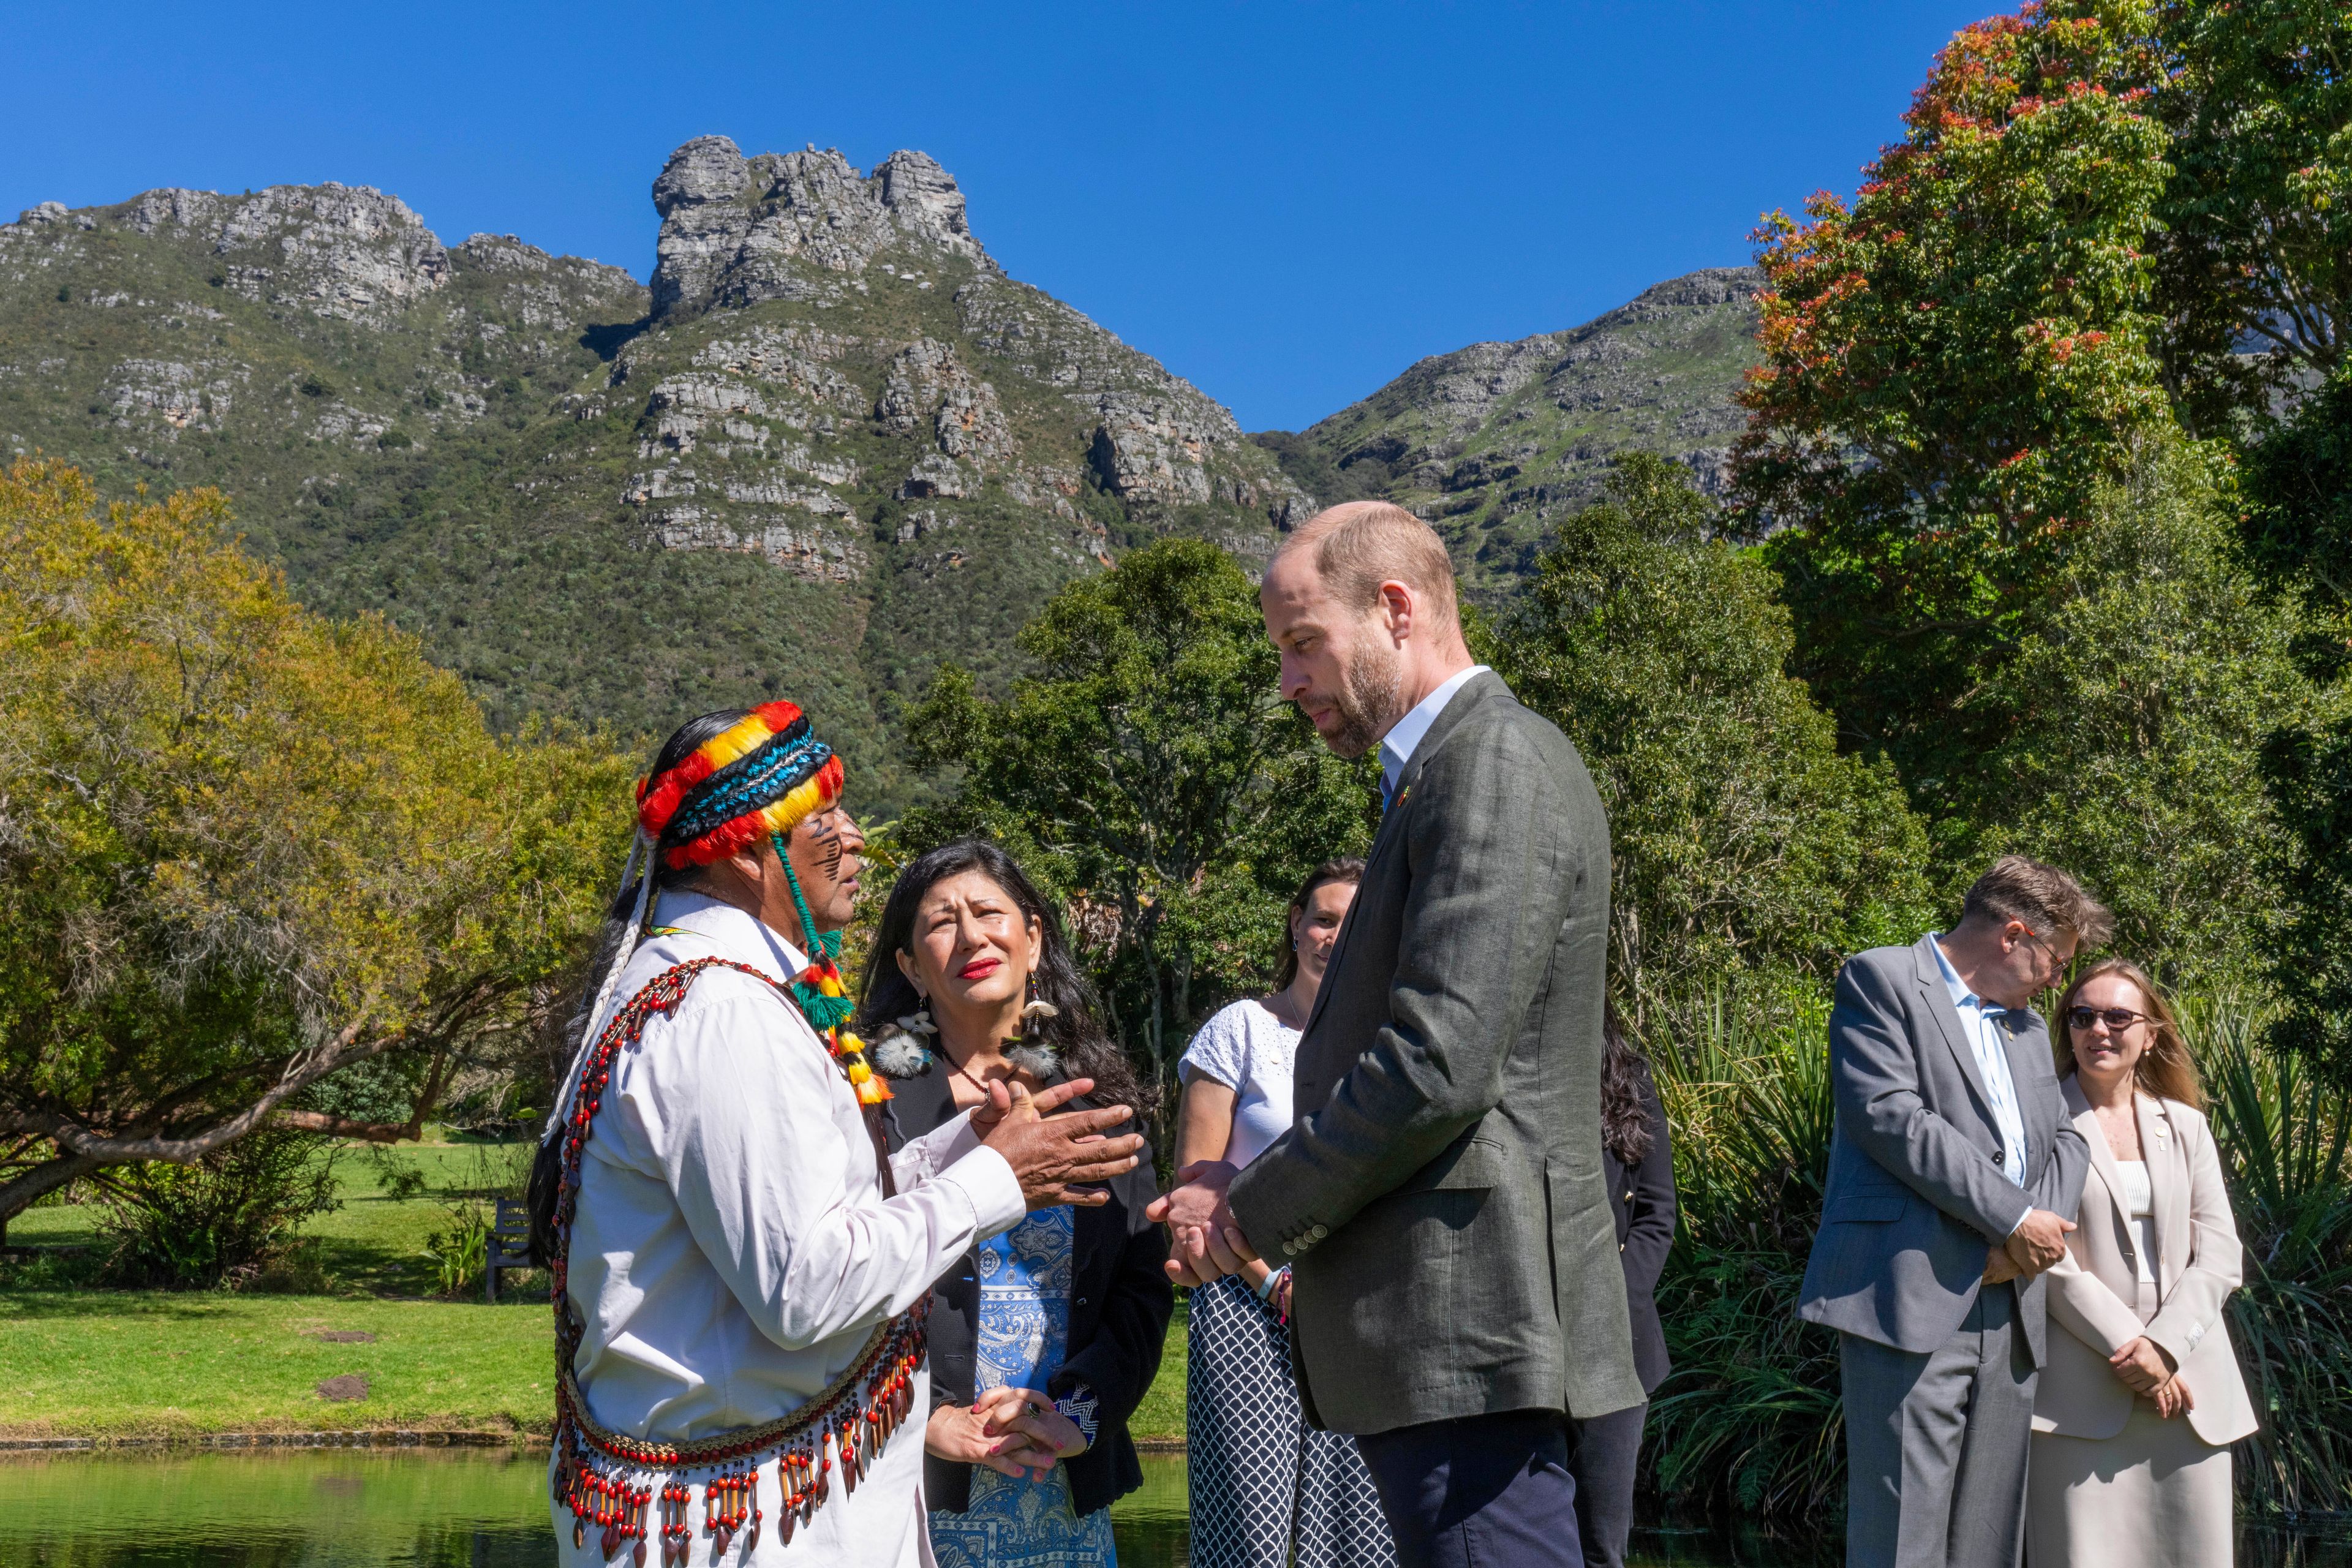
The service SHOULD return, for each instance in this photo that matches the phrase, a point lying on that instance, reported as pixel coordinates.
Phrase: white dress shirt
(732, 1250)
(1404, 736)
(1986, 1028)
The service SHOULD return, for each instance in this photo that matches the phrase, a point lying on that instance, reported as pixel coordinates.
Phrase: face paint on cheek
(826, 843)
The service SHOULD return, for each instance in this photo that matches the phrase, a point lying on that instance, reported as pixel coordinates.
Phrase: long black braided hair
(547, 1166)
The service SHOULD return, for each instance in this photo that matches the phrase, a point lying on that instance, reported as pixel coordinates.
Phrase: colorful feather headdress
(762, 775)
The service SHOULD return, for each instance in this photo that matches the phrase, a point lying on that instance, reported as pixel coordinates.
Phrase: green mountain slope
(831, 445)
(1494, 443)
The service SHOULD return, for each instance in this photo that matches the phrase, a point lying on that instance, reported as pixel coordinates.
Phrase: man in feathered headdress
(740, 1271)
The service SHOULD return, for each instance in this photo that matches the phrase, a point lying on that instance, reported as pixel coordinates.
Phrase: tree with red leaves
(1955, 362)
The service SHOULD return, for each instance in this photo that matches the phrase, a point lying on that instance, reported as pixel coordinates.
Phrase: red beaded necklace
(597, 1471)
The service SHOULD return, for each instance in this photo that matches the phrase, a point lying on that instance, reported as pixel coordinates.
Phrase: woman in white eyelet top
(2140, 1395)
(1257, 1470)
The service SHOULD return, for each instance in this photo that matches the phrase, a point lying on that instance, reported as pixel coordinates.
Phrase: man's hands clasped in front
(1207, 1243)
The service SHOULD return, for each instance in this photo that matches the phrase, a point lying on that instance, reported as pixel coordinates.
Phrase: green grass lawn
(156, 1363)
(78, 1361)
(1160, 1417)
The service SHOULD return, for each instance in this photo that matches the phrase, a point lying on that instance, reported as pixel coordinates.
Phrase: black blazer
(1120, 1301)
(1642, 1198)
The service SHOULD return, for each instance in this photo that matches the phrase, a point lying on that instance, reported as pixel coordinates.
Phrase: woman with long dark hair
(1056, 1326)
(1267, 1491)
(1638, 1163)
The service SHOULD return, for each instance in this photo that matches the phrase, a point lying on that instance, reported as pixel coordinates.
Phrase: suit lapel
(1473, 691)
(2167, 1155)
(2103, 1159)
(1938, 999)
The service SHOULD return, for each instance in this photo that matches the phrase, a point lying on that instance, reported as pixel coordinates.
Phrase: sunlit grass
(139, 1363)
(77, 1360)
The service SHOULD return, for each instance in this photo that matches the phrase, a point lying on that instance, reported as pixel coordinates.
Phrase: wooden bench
(508, 1246)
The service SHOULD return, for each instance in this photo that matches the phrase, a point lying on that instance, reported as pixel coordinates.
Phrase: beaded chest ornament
(599, 1473)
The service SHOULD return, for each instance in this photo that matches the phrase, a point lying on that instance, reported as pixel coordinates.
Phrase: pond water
(487, 1509)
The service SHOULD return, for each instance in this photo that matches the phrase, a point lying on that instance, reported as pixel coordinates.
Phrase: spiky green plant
(1749, 1422)
(2283, 1137)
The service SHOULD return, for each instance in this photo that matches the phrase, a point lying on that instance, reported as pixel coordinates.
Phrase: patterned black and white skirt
(1256, 1469)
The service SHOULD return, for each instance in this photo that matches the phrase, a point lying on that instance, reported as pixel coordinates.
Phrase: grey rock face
(834, 415)
(347, 251)
(1493, 443)
(793, 225)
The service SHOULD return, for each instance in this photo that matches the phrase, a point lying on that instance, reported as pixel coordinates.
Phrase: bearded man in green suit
(1456, 1294)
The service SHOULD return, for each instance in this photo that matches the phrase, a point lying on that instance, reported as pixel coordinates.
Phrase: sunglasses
(2117, 1019)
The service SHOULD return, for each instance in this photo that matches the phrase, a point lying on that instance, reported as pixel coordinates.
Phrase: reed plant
(2283, 1134)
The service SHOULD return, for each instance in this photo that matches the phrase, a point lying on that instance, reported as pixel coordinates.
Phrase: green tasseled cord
(822, 1011)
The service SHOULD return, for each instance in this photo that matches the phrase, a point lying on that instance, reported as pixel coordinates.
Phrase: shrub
(459, 1249)
(221, 1221)
(1750, 1420)
(2283, 1137)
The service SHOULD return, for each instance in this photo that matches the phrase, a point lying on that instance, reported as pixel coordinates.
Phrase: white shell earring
(906, 1051)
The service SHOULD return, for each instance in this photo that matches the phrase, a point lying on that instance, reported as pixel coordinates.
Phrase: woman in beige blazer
(2141, 1394)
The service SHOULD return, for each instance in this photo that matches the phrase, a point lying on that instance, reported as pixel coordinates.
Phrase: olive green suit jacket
(1440, 1195)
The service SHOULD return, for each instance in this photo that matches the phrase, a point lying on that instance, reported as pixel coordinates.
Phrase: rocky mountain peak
(1495, 442)
(334, 249)
(794, 226)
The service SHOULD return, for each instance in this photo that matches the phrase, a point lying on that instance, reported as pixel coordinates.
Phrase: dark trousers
(1477, 1492)
(1608, 1447)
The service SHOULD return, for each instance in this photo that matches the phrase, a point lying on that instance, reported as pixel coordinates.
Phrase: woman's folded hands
(2146, 1368)
(1011, 1430)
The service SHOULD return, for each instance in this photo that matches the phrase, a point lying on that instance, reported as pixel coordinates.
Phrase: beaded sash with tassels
(597, 1471)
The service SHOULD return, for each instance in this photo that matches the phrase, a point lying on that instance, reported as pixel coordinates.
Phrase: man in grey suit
(1951, 1171)
(1439, 1198)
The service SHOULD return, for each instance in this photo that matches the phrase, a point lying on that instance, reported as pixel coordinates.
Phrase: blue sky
(1288, 204)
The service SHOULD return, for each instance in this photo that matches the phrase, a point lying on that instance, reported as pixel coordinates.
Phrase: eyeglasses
(2117, 1019)
(2047, 951)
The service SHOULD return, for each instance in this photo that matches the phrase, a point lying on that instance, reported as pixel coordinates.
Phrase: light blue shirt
(1404, 736)
(1986, 1025)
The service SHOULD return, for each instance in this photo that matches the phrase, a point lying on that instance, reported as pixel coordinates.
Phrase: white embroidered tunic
(732, 1250)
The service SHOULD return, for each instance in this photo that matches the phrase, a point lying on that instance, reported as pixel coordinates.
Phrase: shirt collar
(737, 935)
(1961, 996)
(1403, 738)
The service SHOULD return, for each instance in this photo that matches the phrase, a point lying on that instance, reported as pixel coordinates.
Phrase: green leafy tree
(2255, 247)
(243, 848)
(1147, 771)
(1953, 364)
(2135, 714)
(1741, 837)
(2299, 525)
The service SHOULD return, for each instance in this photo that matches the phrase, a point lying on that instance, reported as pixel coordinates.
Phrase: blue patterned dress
(1024, 1330)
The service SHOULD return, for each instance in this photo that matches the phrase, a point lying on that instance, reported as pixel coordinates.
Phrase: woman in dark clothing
(1043, 1340)
(1639, 1164)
